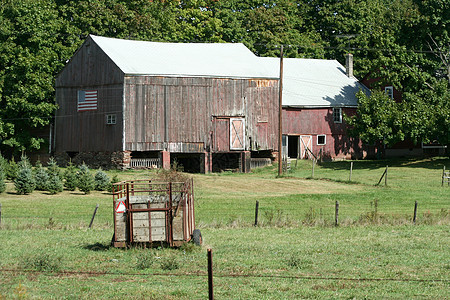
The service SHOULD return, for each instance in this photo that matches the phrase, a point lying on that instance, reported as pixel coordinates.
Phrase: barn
(316, 95)
(127, 103)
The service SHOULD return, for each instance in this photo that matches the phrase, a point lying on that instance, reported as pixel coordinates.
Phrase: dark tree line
(405, 43)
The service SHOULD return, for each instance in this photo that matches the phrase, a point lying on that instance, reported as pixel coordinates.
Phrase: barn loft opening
(226, 162)
(293, 146)
(190, 162)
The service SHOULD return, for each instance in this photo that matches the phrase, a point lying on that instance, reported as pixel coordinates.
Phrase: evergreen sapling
(86, 182)
(70, 176)
(101, 181)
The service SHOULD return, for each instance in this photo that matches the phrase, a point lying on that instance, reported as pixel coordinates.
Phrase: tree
(102, 181)
(85, 180)
(54, 184)
(41, 177)
(377, 121)
(24, 183)
(2, 179)
(70, 176)
(35, 42)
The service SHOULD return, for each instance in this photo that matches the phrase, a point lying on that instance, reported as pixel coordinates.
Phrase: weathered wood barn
(316, 94)
(127, 103)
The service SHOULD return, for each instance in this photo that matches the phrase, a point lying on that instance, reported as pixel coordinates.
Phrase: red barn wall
(319, 121)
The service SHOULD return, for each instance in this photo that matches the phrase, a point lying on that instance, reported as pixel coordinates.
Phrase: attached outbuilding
(316, 95)
(126, 103)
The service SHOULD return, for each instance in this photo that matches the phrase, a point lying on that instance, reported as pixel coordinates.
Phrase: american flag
(87, 100)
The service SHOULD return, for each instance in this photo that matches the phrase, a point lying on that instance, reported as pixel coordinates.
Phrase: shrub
(101, 181)
(55, 184)
(169, 263)
(43, 262)
(41, 177)
(70, 176)
(24, 182)
(86, 182)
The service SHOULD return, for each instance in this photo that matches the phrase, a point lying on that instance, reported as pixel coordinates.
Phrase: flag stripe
(87, 100)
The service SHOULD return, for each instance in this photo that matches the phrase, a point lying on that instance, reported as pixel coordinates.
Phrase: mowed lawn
(295, 252)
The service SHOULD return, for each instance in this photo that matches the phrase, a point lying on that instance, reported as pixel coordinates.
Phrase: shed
(316, 94)
(128, 103)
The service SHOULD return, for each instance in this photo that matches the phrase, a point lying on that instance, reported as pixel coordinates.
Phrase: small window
(321, 140)
(111, 119)
(337, 115)
(389, 90)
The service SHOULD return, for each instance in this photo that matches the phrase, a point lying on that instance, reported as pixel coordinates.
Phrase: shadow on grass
(435, 163)
(97, 247)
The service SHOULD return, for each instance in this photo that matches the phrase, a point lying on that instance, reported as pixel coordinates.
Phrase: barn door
(306, 146)
(221, 135)
(237, 134)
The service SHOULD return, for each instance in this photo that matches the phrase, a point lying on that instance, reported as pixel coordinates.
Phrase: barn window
(111, 119)
(321, 139)
(389, 90)
(337, 115)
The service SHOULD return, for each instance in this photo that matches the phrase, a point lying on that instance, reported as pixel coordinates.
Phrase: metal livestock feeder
(154, 212)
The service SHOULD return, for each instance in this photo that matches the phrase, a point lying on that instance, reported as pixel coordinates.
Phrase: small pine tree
(24, 181)
(2, 180)
(3, 163)
(85, 180)
(52, 168)
(101, 181)
(55, 184)
(114, 179)
(70, 176)
(41, 177)
(12, 170)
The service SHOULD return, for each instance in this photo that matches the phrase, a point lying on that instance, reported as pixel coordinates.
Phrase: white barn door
(237, 134)
(306, 142)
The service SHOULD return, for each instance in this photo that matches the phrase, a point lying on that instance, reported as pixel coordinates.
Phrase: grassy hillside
(295, 252)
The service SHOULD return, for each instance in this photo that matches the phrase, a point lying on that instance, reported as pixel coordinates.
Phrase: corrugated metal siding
(181, 110)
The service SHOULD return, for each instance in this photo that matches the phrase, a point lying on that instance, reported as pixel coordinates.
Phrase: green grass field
(295, 252)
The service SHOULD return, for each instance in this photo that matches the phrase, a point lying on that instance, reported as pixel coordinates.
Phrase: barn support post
(246, 161)
(165, 160)
(205, 163)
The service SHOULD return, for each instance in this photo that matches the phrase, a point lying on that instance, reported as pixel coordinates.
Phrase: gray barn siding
(161, 111)
(89, 69)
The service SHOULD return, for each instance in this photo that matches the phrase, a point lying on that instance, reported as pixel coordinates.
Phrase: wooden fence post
(256, 213)
(93, 216)
(443, 176)
(336, 214)
(415, 212)
(351, 170)
(385, 176)
(313, 165)
(210, 275)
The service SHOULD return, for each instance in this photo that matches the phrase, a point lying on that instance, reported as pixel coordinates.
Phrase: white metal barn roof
(316, 83)
(183, 59)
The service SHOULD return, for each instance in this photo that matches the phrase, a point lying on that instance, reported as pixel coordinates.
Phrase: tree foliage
(404, 43)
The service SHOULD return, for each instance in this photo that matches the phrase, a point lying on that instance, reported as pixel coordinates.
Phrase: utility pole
(280, 119)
